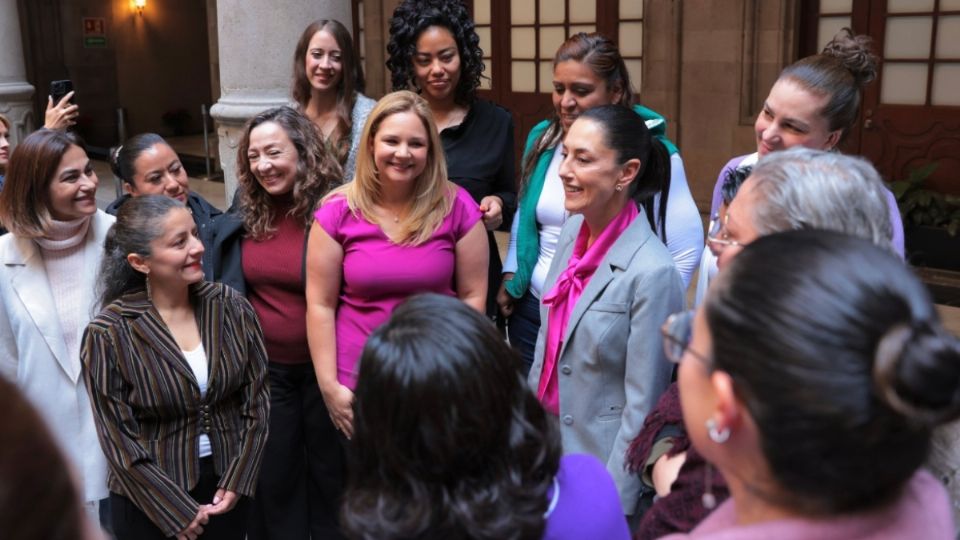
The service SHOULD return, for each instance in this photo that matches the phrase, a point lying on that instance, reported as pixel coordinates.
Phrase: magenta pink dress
(378, 275)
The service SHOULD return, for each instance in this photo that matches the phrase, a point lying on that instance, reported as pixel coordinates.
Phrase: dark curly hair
(449, 442)
(317, 172)
(410, 19)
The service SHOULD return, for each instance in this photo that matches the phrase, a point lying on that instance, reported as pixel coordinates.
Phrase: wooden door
(911, 115)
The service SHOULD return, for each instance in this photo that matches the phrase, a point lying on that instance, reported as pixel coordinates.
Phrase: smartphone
(58, 89)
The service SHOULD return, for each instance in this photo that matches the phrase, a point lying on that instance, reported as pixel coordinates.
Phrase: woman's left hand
(492, 208)
(223, 502)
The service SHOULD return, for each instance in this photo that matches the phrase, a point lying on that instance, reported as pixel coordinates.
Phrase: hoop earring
(718, 436)
(619, 187)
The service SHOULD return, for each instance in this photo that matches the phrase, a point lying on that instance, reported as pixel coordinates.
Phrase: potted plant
(931, 221)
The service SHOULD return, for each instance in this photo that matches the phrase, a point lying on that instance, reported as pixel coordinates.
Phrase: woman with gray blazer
(599, 364)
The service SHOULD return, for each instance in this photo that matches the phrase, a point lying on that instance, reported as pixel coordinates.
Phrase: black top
(479, 154)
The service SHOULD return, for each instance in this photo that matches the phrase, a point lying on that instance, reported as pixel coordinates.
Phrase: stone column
(256, 39)
(15, 92)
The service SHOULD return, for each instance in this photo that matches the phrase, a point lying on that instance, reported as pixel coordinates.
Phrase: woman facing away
(434, 49)
(48, 267)
(449, 443)
(814, 103)
(283, 172)
(588, 71)
(598, 366)
(812, 383)
(328, 87)
(400, 228)
(148, 165)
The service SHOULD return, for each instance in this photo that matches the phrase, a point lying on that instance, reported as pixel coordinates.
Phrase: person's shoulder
(198, 204)
(363, 104)
(115, 205)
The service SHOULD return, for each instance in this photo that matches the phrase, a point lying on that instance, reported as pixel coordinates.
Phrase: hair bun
(114, 160)
(855, 53)
(917, 373)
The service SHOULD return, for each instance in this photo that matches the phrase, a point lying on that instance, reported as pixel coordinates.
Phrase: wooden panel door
(910, 116)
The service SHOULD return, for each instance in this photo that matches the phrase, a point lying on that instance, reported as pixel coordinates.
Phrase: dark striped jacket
(147, 403)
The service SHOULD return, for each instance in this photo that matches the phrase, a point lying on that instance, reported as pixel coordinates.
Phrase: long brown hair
(601, 55)
(351, 81)
(317, 172)
(433, 193)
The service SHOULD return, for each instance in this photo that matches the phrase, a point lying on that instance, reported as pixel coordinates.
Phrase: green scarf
(528, 232)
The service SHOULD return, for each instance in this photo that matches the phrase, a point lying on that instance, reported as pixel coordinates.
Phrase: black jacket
(204, 215)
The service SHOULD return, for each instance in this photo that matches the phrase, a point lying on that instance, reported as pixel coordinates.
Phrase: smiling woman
(47, 267)
(400, 228)
(176, 370)
(147, 164)
(328, 87)
(284, 170)
(435, 51)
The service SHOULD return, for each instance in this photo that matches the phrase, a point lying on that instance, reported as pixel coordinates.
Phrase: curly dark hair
(410, 19)
(317, 172)
(449, 442)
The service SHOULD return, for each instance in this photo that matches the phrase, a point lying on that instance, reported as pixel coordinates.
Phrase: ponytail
(654, 179)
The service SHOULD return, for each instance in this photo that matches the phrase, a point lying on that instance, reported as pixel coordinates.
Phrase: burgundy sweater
(273, 269)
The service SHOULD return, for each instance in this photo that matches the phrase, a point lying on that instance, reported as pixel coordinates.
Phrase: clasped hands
(223, 502)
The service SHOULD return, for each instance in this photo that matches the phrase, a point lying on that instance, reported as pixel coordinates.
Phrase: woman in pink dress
(400, 228)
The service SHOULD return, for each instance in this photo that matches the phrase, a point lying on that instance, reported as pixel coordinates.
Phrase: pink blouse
(378, 274)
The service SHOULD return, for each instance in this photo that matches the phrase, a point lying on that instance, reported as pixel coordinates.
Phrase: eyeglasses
(677, 331)
(718, 236)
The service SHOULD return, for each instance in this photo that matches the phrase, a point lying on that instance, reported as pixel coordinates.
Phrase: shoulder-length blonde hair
(25, 199)
(433, 194)
(317, 172)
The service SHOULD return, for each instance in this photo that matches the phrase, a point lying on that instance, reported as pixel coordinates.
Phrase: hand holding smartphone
(61, 111)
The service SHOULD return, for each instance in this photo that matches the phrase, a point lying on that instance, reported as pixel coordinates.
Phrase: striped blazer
(147, 404)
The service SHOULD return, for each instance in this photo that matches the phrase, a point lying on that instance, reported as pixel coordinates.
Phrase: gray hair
(802, 188)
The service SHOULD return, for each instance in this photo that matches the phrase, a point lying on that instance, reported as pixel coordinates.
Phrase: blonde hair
(433, 193)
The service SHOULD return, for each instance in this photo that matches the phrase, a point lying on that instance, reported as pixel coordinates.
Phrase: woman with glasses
(795, 189)
(813, 104)
(598, 366)
(816, 401)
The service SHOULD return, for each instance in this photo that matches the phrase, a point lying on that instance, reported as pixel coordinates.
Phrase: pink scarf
(565, 293)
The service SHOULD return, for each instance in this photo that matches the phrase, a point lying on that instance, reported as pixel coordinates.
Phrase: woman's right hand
(339, 401)
(504, 300)
(195, 528)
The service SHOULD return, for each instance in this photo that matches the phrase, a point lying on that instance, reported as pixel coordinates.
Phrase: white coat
(33, 352)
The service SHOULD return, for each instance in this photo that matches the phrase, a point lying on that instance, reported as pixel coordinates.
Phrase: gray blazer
(611, 369)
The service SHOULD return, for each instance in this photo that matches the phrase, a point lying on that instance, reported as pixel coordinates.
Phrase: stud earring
(619, 187)
(718, 436)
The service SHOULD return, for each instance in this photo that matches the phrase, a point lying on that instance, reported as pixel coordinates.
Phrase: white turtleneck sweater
(62, 250)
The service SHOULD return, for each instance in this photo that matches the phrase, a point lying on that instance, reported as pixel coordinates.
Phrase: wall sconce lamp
(139, 5)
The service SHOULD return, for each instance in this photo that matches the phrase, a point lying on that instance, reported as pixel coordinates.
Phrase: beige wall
(709, 66)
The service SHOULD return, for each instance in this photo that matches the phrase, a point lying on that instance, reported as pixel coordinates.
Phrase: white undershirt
(197, 360)
(551, 215)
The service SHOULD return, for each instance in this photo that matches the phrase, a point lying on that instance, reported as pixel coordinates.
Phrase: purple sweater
(922, 511)
(895, 221)
(586, 505)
